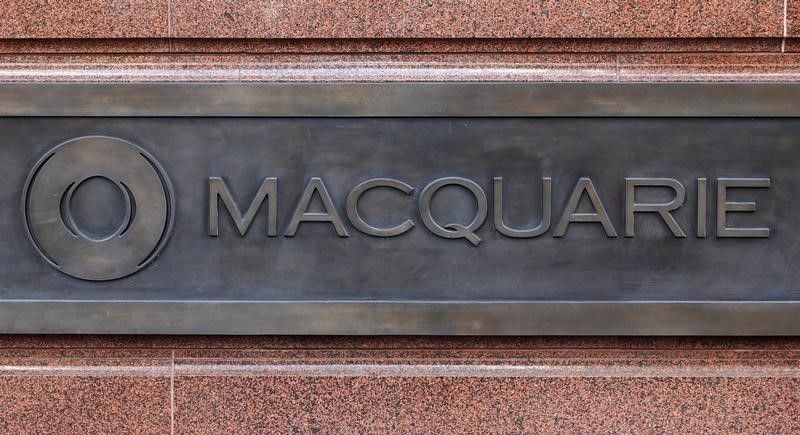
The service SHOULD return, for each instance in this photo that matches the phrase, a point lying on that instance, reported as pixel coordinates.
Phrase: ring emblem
(98, 208)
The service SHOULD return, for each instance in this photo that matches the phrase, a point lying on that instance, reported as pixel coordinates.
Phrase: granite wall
(113, 384)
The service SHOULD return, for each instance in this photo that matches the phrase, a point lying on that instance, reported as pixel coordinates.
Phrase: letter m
(218, 190)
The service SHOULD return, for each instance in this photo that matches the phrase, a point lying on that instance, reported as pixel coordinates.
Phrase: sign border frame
(408, 99)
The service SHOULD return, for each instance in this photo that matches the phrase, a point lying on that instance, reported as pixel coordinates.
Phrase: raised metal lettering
(544, 225)
(702, 206)
(301, 213)
(570, 213)
(724, 207)
(454, 230)
(358, 221)
(663, 209)
(218, 190)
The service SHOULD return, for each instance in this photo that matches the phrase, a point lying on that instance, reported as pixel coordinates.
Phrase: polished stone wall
(114, 384)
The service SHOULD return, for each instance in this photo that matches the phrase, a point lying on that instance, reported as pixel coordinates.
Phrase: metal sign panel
(400, 208)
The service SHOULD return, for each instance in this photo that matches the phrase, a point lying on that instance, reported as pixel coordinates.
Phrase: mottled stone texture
(407, 67)
(793, 18)
(390, 18)
(484, 405)
(477, 18)
(84, 18)
(84, 390)
(94, 384)
(91, 384)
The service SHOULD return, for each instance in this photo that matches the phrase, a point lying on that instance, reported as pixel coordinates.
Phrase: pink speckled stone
(191, 384)
(84, 19)
(710, 67)
(475, 19)
(83, 46)
(471, 45)
(431, 67)
(389, 45)
(85, 391)
(250, 404)
(415, 386)
(407, 67)
(793, 18)
(301, 67)
(118, 68)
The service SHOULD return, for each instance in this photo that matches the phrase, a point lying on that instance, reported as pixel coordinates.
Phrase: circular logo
(98, 208)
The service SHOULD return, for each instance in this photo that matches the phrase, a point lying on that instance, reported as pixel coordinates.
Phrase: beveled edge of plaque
(730, 318)
(656, 318)
(417, 99)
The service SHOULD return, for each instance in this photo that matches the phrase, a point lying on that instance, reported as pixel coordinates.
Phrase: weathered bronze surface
(145, 212)
(524, 213)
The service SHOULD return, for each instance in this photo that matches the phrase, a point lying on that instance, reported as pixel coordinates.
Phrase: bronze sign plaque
(400, 208)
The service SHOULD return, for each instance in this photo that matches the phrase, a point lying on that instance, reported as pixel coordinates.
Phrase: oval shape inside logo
(98, 208)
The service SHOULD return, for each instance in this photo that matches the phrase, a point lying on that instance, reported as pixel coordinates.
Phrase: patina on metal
(146, 209)
(400, 99)
(483, 208)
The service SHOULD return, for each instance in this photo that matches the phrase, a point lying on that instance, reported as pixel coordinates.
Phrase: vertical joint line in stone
(172, 394)
(785, 26)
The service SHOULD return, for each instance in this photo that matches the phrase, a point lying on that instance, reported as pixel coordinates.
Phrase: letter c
(358, 221)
